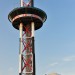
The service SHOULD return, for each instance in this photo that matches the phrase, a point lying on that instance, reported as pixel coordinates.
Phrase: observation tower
(27, 19)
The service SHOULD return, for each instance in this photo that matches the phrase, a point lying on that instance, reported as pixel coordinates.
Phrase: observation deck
(26, 15)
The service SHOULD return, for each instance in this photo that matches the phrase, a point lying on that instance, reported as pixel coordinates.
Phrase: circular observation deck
(26, 15)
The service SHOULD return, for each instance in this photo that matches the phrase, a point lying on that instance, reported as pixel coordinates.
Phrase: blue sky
(54, 42)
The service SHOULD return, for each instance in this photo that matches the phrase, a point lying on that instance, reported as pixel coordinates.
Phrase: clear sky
(54, 42)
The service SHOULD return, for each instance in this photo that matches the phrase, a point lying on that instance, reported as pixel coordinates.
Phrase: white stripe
(19, 63)
(21, 3)
(32, 25)
(27, 15)
(20, 59)
(21, 30)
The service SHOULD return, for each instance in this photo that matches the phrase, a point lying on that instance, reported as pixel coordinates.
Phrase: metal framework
(26, 19)
(26, 47)
(27, 53)
(28, 3)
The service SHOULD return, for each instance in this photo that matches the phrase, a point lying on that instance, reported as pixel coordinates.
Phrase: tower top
(26, 14)
(27, 4)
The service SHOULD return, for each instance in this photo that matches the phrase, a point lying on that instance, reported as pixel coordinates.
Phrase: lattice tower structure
(27, 19)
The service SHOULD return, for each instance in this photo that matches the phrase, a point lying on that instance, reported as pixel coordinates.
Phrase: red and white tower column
(26, 19)
(26, 52)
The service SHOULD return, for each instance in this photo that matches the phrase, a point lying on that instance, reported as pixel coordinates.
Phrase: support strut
(27, 53)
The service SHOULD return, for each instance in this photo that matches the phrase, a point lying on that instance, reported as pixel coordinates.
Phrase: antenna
(27, 19)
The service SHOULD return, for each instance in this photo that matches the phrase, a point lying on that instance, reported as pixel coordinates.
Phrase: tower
(27, 19)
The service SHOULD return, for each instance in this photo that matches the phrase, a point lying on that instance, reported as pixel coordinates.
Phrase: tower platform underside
(26, 15)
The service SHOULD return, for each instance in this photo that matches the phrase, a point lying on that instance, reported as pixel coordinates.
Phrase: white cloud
(65, 59)
(69, 58)
(54, 64)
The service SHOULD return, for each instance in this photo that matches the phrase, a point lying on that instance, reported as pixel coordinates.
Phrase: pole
(21, 3)
(32, 26)
(33, 49)
(20, 50)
